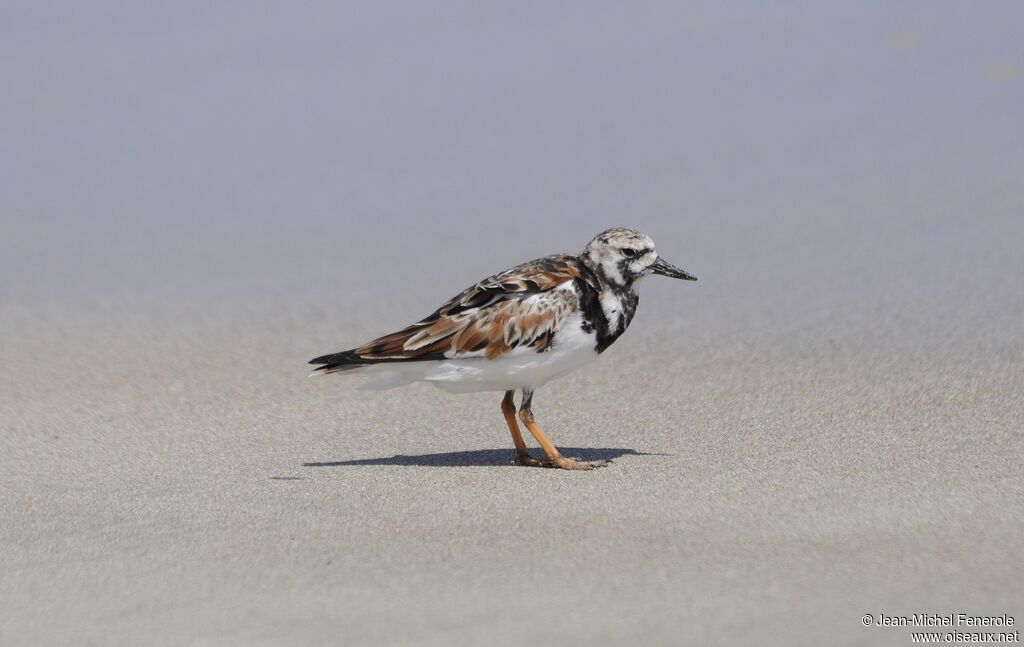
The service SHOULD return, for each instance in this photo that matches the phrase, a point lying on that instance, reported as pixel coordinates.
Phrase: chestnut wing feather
(520, 308)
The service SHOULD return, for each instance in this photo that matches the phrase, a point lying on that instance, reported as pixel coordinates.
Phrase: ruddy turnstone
(519, 329)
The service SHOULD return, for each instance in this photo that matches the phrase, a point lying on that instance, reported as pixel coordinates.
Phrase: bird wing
(520, 308)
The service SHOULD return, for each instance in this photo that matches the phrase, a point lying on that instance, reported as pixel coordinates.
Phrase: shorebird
(518, 330)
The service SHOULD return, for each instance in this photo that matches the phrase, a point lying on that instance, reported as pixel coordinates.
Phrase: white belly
(570, 349)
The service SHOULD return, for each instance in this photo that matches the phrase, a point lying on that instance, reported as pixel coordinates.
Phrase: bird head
(623, 256)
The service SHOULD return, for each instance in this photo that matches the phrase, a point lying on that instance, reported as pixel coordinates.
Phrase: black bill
(663, 267)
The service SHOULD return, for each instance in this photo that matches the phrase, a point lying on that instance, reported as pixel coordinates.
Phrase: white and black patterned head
(621, 256)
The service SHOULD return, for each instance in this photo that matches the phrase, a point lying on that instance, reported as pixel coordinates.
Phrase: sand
(826, 425)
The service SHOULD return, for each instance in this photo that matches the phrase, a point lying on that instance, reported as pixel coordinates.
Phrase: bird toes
(559, 462)
(572, 464)
(529, 461)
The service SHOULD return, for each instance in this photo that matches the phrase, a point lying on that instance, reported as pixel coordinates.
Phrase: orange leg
(508, 409)
(554, 459)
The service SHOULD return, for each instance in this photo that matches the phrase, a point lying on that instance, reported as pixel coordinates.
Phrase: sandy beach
(828, 424)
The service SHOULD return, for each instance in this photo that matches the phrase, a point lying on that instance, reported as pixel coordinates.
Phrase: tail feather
(349, 360)
(389, 371)
(344, 357)
(328, 369)
(337, 362)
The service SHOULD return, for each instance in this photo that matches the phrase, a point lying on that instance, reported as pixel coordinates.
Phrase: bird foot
(563, 463)
(560, 462)
(528, 461)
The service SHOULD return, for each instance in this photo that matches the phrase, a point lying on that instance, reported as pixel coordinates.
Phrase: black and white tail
(338, 363)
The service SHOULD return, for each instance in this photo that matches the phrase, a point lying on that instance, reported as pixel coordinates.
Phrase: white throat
(611, 305)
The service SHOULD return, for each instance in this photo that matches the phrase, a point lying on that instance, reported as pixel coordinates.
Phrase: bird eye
(628, 252)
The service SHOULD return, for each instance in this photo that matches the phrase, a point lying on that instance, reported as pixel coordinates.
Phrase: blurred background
(196, 198)
(187, 157)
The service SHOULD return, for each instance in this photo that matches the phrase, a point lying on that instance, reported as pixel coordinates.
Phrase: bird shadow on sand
(483, 457)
